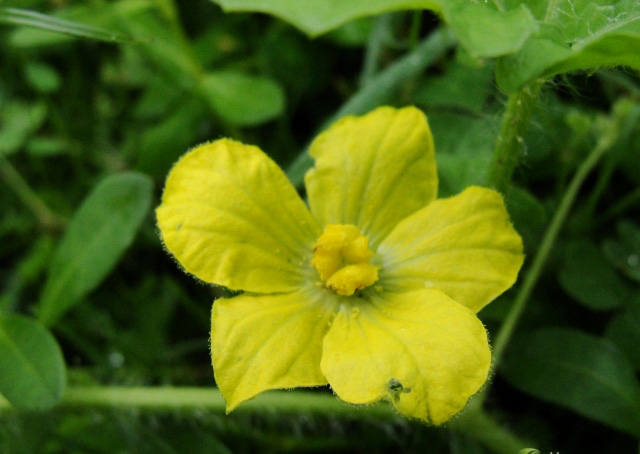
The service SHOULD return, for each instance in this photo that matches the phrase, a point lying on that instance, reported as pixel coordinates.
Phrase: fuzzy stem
(509, 143)
(473, 421)
(533, 274)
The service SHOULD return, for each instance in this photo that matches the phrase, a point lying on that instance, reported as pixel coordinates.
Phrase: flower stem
(47, 219)
(509, 143)
(607, 138)
(381, 88)
(473, 421)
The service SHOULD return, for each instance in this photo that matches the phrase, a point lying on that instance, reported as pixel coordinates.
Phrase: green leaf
(162, 144)
(15, 16)
(98, 234)
(574, 35)
(528, 216)
(42, 77)
(32, 369)
(624, 331)
(624, 252)
(483, 29)
(587, 276)
(464, 145)
(460, 86)
(581, 372)
(18, 120)
(242, 99)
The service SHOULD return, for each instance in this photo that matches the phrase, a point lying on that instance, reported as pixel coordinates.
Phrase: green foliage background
(540, 99)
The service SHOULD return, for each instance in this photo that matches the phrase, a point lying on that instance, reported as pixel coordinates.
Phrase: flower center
(341, 257)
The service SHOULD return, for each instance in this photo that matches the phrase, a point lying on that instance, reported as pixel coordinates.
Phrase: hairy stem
(473, 421)
(509, 143)
(533, 274)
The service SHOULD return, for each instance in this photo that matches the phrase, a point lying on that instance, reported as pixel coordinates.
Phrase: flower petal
(420, 350)
(464, 246)
(230, 217)
(373, 171)
(261, 342)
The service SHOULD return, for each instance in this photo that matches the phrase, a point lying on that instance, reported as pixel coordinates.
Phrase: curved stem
(381, 88)
(533, 274)
(473, 421)
(509, 143)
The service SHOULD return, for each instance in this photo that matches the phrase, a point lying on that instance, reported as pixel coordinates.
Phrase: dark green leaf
(101, 230)
(528, 216)
(464, 144)
(587, 276)
(460, 86)
(32, 369)
(581, 372)
(624, 331)
(624, 252)
(242, 99)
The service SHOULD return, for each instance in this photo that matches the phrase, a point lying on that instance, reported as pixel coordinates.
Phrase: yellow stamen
(341, 256)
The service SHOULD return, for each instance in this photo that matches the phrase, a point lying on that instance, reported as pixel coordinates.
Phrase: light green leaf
(100, 231)
(32, 369)
(482, 28)
(243, 99)
(587, 276)
(573, 35)
(575, 370)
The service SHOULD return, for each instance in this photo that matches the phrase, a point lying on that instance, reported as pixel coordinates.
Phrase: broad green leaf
(32, 369)
(482, 28)
(575, 370)
(243, 99)
(587, 276)
(98, 234)
(624, 331)
(15, 16)
(573, 35)
(624, 252)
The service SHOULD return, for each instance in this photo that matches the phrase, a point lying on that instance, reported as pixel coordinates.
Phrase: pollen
(341, 256)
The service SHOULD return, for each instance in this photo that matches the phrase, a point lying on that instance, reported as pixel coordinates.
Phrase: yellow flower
(372, 289)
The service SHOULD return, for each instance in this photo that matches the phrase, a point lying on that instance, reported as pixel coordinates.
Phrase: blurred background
(92, 121)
